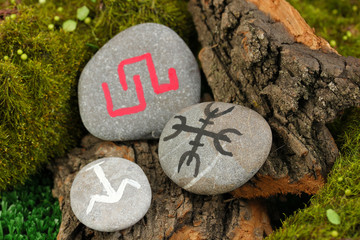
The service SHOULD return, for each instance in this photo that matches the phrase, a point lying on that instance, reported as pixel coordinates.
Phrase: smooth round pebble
(110, 194)
(213, 147)
(136, 82)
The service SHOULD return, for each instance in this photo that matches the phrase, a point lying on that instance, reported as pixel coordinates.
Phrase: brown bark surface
(174, 213)
(252, 59)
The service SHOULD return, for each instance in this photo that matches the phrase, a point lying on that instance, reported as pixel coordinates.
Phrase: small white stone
(213, 148)
(110, 194)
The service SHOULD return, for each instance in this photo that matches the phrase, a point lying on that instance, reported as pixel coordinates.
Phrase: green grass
(336, 21)
(30, 211)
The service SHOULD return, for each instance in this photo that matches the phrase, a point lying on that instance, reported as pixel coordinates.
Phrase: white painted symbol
(112, 196)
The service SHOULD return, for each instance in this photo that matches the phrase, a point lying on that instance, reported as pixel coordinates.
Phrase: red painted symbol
(158, 88)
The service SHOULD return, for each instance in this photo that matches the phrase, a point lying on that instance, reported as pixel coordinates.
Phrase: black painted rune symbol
(217, 137)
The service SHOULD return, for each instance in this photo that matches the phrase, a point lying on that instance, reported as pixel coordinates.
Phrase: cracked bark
(173, 214)
(263, 55)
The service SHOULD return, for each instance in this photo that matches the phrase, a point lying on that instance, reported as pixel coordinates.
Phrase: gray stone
(110, 194)
(213, 148)
(136, 82)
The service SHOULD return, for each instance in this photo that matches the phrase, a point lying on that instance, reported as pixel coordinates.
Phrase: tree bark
(174, 213)
(270, 60)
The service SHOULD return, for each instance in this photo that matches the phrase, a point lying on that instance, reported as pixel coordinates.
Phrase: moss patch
(337, 21)
(119, 15)
(39, 116)
(341, 193)
(38, 109)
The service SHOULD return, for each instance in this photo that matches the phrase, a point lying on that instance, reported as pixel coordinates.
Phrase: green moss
(39, 117)
(335, 20)
(119, 15)
(311, 222)
(38, 113)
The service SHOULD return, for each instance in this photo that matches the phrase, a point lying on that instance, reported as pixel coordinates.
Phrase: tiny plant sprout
(13, 16)
(334, 233)
(23, 56)
(333, 43)
(42, 1)
(82, 13)
(19, 51)
(6, 58)
(60, 9)
(333, 217)
(87, 20)
(51, 26)
(69, 25)
(56, 18)
(340, 179)
(347, 192)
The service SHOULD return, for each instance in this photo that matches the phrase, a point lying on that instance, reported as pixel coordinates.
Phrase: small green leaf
(69, 25)
(82, 13)
(333, 217)
(92, 46)
(93, 1)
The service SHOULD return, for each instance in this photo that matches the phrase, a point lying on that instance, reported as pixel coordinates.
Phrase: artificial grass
(30, 211)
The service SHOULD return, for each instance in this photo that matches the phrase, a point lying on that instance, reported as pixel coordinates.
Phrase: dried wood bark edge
(282, 11)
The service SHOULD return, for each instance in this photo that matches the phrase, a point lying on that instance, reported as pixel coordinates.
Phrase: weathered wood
(173, 214)
(254, 60)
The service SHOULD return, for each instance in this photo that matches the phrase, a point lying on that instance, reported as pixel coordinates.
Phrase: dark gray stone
(140, 108)
(213, 148)
(110, 194)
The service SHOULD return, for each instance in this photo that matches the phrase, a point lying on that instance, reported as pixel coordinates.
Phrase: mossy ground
(339, 23)
(39, 117)
(38, 110)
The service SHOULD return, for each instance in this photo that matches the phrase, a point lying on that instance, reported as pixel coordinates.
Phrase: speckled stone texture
(110, 194)
(213, 147)
(136, 82)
